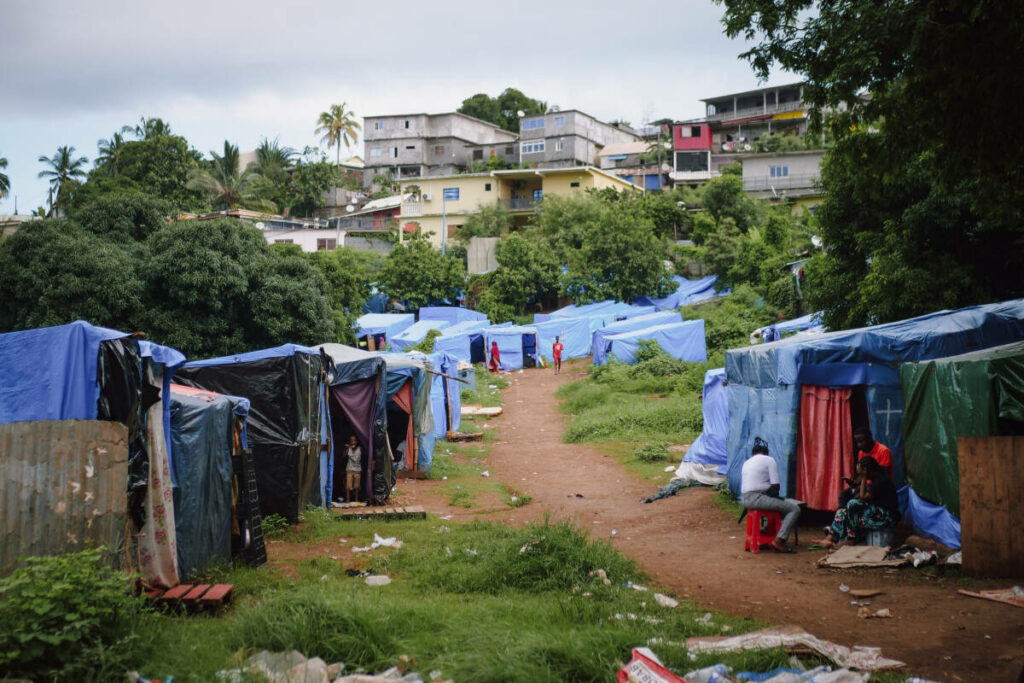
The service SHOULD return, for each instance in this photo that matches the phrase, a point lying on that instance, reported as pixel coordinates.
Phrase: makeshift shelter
(804, 396)
(207, 430)
(573, 333)
(516, 344)
(409, 422)
(809, 323)
(415, 333)
(358, 399)
(286, 388)
(607, 311)
(687, 292)
(980, 393)
(374, 330)
(599, 338)
(445, 394)
(377, 303)
(464, 341)
(84, 372)
(684, 341)
(573, 311)
(709, 447)
(450, 314)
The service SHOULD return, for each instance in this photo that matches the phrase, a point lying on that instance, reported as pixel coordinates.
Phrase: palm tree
(147, 129)
(5, 182)
(221, 182)
(337, 125)
(64, 173)
(273, 160)
(110, 153)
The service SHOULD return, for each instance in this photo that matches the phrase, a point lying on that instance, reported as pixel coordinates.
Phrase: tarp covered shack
(599, 346)
(415, 333)
(445, 394)
(517, 345)
(450, 314)
(207, 429)
(687, 292)
(377, 329)
(464, 341)
(358, 400)
(80, 371)
(805, 396)
(709, 447)
(980, 393)
(285, 386)
(684, 341)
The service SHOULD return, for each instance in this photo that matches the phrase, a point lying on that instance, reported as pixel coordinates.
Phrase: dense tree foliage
(525, 271)
(310, 179)
(417, 273)
(123, 217)
(348, 286)
(502, 110)
(490, 220)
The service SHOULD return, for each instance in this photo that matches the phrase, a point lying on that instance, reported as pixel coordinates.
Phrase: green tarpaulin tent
(974, 394)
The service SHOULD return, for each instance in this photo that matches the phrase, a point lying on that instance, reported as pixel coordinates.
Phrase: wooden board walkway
(385, 513)
(193, 596)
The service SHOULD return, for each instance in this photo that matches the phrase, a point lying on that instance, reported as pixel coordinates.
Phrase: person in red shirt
(556, 351)
(866, 447)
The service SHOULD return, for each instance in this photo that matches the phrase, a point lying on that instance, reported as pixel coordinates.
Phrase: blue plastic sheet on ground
(414, 334)
(388, 324)
(684, 341)
(928, 519)
(50, 373)
(709, 448)
(450, 314)
(687, 292)
(511, 342)
(599, 338)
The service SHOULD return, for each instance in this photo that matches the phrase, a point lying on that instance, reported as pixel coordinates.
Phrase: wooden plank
(177, 592)
(991, 487)
(196, 593)
(217, 595)
(409, 512)
(1007, 597)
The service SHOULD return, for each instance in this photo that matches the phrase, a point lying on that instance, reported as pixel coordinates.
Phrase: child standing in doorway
(353, 468)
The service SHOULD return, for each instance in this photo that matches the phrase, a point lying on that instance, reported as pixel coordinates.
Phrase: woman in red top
(556, 351)
(495, 364)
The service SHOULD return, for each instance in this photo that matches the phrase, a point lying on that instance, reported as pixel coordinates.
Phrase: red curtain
(403, 398)
(824, 446)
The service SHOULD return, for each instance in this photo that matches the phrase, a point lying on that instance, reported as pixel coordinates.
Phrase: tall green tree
(64, 172)
(147, 128)
(110, 153)
(123, 217)
(226, 185)
(337, 125)
(419, 274)
(5, 182)
(504, 109)
(526, 270)
(348, 287)
(311, 177)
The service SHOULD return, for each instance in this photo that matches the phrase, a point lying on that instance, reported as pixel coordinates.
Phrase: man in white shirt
(759, 490)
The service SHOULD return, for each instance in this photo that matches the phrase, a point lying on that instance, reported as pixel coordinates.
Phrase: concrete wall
(803, 168)
(305, 239)
(480, 255)
(368, 244)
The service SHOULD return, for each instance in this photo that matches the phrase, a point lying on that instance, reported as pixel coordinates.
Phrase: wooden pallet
(193, 596)
(464, 436)
(384, 513)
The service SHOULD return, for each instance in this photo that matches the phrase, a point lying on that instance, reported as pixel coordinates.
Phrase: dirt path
(693, 546)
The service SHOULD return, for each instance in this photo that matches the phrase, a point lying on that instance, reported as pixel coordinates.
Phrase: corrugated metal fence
(62, 488)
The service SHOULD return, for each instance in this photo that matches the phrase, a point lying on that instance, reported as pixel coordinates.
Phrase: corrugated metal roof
(62, 488)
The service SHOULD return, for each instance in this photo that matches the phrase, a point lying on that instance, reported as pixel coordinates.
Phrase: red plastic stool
(762, 527)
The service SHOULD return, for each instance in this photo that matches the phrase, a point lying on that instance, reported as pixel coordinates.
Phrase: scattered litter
(571, 495)
(704, 620)
(843, 587)
(665, 601)
(471, 552)
(778, 571)
(529, 544)
(635, 586)
(378, 580)
(485, 473)
(443, 529)
(719, 673)
(615, 532)
(860, 556)
(446, 518)
(355, 573)
(388, 542)
(865, 592)
(923, 558)
(645, 666)
(603, 575)
(866, 613)
(445, 478)
(793, 637)
(955, 558)
(281, 667)
(361, 549)
(1009, 596)
(670, 468)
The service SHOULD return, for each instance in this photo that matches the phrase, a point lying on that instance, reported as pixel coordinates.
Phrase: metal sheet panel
(62, 488)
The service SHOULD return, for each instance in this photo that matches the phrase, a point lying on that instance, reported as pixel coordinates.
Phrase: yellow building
(518, 190)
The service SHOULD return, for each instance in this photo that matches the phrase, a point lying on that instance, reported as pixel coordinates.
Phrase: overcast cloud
(74, 72)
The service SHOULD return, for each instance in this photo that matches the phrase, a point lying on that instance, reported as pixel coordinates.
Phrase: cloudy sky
(74, 72)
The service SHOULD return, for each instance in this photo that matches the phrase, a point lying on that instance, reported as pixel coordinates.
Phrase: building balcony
(362, 224)
(519, 204)
(412, 209)
(792, 182)
(756, 111)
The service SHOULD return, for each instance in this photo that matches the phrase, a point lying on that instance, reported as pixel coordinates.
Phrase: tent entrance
(824, 447)
(401, 426)
(476, 349)
(353, 409)
(529, 350)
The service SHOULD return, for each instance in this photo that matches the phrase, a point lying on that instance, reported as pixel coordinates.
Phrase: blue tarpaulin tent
(445, 395)
(383, 324)
(811, 322)
(202, 442)
(450, 314)
(599, 338)
(415, 333)
(684, 341)
(765, 380)
(573, 311)
(573, 333)
(460, 339)
(688, 292)
(377, 303)
(709, 447)
(516, 344)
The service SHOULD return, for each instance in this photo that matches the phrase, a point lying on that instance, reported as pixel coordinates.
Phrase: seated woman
(875, 506)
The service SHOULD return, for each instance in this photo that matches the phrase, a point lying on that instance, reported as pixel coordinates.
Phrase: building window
(509, 151)
(695, 131)
(531, 124)
(692, 162)
(559, 145)
(394, 152)
(407, 124)
(559, 120)
(532, 147)
(487, 187)
(325, 244)
(376, 152)
(439, 149)
(778, 171)
(576, 184)
(410, 147)
(378, 125)
(452, 229)
(478, 154)
(538, 195)
(284, 241)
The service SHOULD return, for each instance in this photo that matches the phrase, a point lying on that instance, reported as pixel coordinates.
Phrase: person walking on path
(556, 352)
(760, 491)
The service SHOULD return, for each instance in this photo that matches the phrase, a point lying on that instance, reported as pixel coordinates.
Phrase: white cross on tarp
(888, 413)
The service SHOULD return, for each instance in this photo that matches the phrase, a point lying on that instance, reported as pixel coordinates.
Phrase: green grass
(488, 388)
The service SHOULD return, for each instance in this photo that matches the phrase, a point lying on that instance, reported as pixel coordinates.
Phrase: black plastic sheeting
(202, 431)
(284, 419)
(125, 398)
(359, 370)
